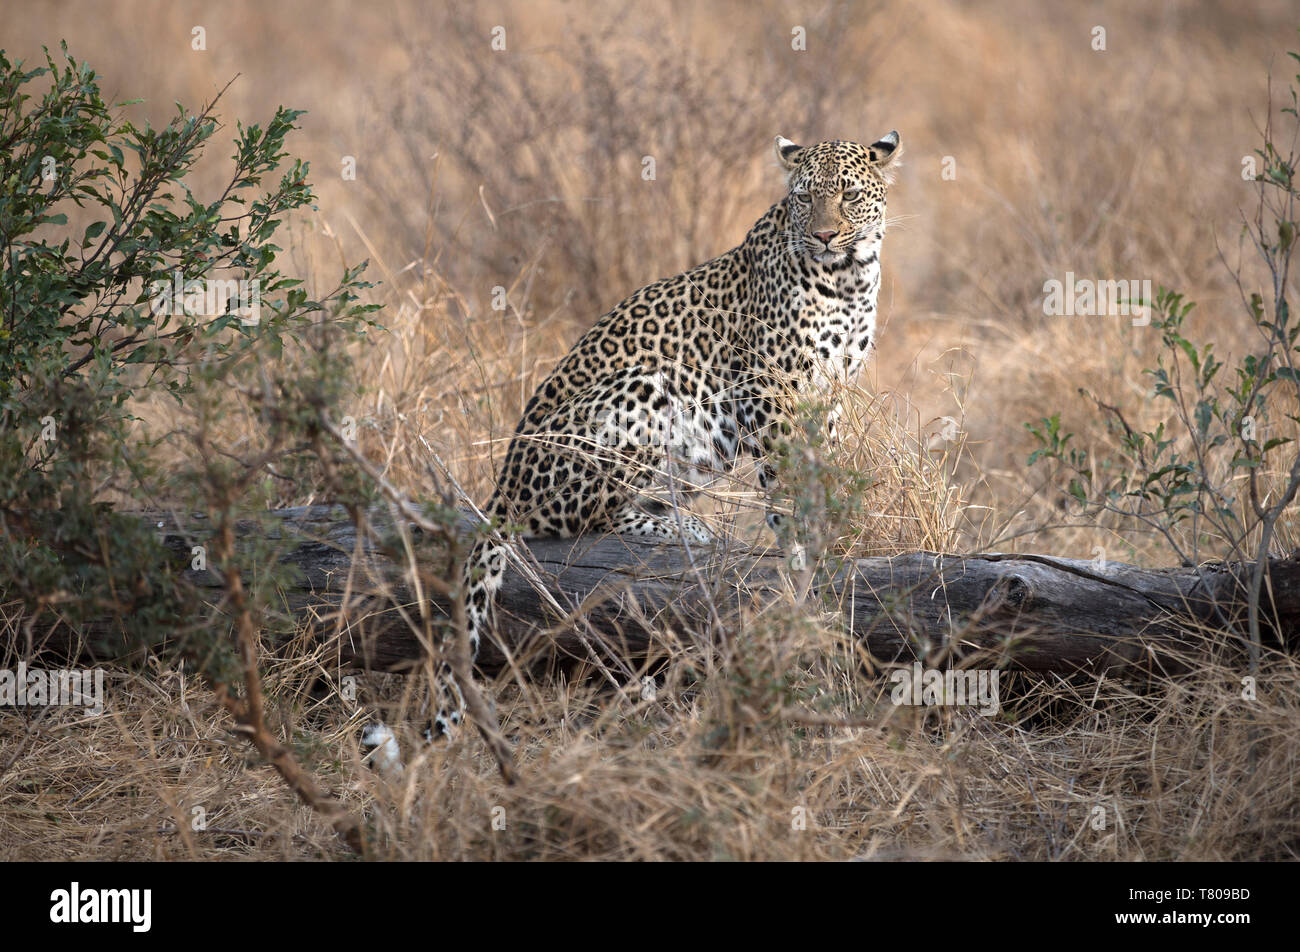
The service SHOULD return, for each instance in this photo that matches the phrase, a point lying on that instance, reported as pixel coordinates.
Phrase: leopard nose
(825, 236)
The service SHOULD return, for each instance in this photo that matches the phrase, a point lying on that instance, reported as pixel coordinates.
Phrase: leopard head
(837, 194)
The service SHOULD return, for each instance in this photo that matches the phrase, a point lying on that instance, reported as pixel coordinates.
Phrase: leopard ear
(787, 153)
(885, 150)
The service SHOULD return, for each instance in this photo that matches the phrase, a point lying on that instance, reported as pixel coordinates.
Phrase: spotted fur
(674, 384)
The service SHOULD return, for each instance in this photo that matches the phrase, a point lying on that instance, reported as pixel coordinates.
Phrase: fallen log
(619, 596)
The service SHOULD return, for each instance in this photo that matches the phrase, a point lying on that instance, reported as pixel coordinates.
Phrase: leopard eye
(802, 197)
(852, 195)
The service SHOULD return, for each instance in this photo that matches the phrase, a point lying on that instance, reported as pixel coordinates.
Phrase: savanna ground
(522, 169)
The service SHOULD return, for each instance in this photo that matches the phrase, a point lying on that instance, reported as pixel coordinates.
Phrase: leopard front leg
(832, 425)
(777, 520)
(776, 438)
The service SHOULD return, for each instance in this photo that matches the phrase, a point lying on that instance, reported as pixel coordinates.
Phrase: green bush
(100, 231)
(1218, 471)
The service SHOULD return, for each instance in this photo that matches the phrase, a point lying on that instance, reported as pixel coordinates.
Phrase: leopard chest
(835, 317)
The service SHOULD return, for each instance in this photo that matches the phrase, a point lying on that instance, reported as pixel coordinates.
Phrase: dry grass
(778, 748)
(523, 170)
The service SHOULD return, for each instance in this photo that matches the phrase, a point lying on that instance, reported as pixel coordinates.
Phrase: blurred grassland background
(522, 169)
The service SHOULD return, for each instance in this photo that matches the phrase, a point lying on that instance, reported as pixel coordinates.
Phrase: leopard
(686, 377)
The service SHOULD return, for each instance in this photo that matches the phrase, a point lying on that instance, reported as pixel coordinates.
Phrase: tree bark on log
(1033, 613)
